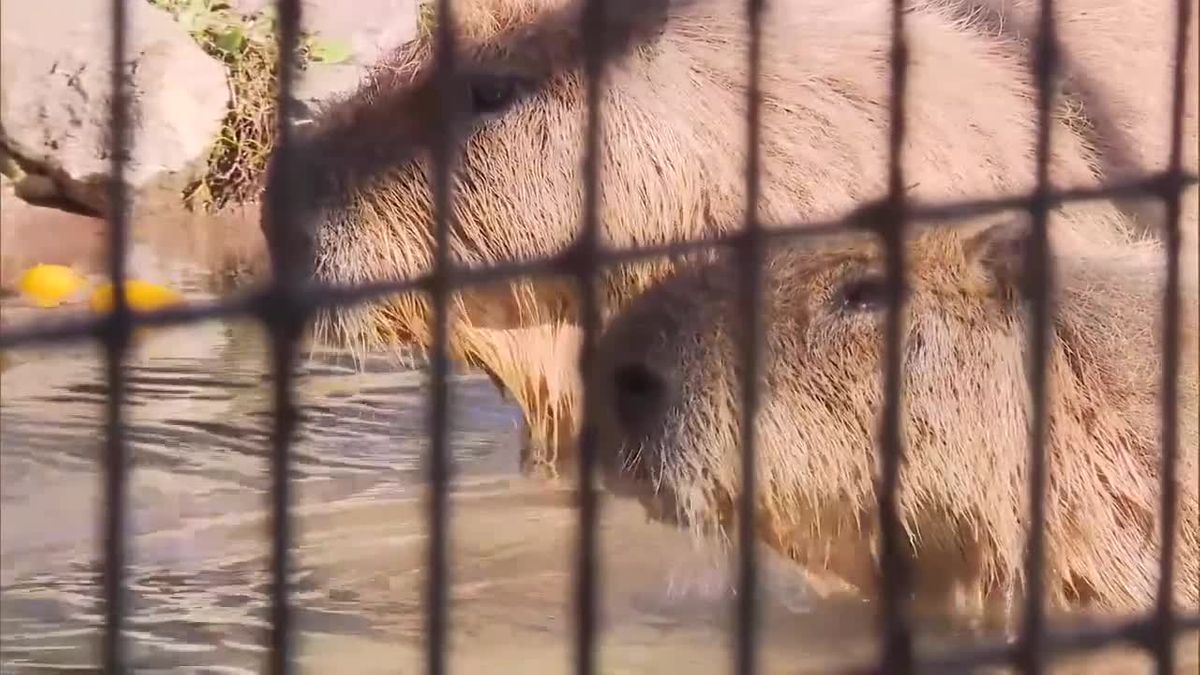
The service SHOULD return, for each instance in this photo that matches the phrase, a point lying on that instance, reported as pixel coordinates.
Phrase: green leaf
(230, 40)
(329, 51)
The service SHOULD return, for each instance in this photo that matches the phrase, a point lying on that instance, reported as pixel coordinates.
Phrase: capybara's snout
(639, 393)
(327, 212)
(298, 198)
(632, 400)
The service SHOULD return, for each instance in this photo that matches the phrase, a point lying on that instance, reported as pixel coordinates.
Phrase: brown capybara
(669, 393)
(673, 151)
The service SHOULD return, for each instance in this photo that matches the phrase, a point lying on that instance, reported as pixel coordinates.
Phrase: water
(198, 431)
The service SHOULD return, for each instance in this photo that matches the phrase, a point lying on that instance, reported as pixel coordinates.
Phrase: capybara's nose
(291, 246)
(291, 219)
(639, 394)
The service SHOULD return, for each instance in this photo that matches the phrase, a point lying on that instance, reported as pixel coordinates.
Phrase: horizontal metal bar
(1139, 632)
(313, 296)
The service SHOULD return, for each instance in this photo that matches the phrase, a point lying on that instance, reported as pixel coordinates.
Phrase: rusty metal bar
(586, 255)
(1030, 657)
(896, 652)
(437, 574)
(115, 334)
(1164, 613)
(750, 255)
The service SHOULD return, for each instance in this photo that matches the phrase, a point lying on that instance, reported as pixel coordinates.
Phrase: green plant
(247, 46)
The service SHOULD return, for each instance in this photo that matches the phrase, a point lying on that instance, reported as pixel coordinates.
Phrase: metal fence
(290, 300)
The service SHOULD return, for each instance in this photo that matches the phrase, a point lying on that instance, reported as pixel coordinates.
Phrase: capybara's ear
(1001, 249)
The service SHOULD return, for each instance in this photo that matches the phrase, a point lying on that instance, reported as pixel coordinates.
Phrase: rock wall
(55, 95)
(55, 88)
(369, 28)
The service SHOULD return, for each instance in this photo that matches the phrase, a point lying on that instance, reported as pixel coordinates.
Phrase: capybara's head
(670, 167)
(669, 391)
(364, 205)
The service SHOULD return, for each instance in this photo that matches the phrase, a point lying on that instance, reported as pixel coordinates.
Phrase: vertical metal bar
(116, 340)
(1031, 655)
(1164, 615)
(897, 637)
(750, 256)
(436, 619)
(284, 323)
(592, 27)
(283, 358)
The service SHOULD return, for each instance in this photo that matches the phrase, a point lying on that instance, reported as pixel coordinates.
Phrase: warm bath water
(198, 432)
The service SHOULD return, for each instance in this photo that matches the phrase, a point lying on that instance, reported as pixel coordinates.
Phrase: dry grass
(426, 17)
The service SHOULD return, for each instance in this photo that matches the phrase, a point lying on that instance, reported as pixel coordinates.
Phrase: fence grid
(291, 299)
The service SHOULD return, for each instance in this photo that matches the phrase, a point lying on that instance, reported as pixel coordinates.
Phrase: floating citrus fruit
(49, 285)
(140, 295)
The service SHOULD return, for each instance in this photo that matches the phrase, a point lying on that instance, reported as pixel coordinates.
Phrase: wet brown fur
(963, 495)
(673, 159)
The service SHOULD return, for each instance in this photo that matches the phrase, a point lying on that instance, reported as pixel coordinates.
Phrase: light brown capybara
(669, 388)
(673, 137)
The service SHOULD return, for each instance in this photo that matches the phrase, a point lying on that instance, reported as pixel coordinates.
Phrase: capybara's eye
(492, 94)
(864, 295)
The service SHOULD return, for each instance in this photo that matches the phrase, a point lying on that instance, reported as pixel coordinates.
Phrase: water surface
(198, 432)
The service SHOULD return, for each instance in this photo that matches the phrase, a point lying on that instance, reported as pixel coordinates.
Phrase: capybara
(673, 154)
(669, 386)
